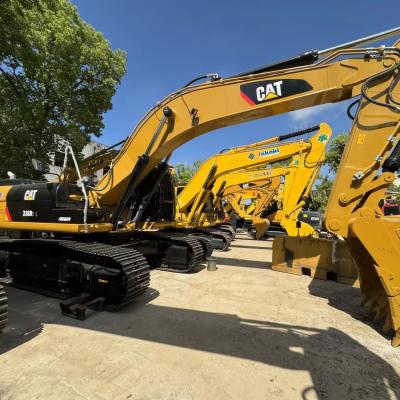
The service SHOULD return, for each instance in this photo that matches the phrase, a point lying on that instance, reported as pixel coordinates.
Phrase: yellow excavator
(241, 203)
(195, 206)
(252, 204)
(258, 184)
(90, 243)
(298, 179)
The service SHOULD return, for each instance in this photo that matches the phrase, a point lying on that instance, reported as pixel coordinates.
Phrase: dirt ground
(241, 332)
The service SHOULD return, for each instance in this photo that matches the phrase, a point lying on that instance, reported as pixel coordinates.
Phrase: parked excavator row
(240, 203)
(264, 207)
(256, 206)
(261, 184)
(94, 243)
(197, 204)
(296, 181)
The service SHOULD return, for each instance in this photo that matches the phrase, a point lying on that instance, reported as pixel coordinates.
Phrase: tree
(320, 194)
(57, 78)
(335, 151)
(184, 172)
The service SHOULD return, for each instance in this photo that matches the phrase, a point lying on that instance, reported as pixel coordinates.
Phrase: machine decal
(30, 195)
(29, 213)
(361, 138)
(322, 137)
(64, 219)
(264, 153)
(263, 91)
(270, 152)
(257, 175)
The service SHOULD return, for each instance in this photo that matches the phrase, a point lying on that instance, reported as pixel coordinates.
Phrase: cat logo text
(264, 91)
(30, 195)
(269, 91)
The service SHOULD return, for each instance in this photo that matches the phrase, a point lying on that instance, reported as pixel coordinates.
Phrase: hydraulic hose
(350, 107)
(214, 77)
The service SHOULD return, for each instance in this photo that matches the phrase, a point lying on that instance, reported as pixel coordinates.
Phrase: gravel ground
(241, 332)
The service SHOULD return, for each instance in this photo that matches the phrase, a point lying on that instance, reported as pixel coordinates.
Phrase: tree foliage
(322, 189)
(185, 172)
(57, 78)
(335, 151)
(320, 194)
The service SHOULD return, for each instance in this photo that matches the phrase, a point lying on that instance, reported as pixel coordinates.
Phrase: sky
(168, 43)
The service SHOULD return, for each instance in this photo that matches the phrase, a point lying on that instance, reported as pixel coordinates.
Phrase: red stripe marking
(251, 102)
(8, 215)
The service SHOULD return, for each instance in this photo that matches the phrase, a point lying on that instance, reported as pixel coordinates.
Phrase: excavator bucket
(374, 245)
(318, 258)
(261, 226)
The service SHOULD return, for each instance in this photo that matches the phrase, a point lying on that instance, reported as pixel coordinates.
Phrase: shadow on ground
(234, 262)
(339, 366)
(344, 298)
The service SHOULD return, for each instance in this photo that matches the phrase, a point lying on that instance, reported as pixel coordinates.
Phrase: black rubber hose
(381, 75)
(391, 88)
(350, 107)
(213, 78)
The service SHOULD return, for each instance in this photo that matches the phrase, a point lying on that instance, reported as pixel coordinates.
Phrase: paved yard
(242, 332)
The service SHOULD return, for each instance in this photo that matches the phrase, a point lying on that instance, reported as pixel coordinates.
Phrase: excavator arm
(210, 176)
(368, 166)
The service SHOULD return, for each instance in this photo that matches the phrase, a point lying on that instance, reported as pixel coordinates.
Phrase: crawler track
(174, 262)
(224, 238)
(134, 278)
(227, 228)
(207, 245)
(135, 270)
